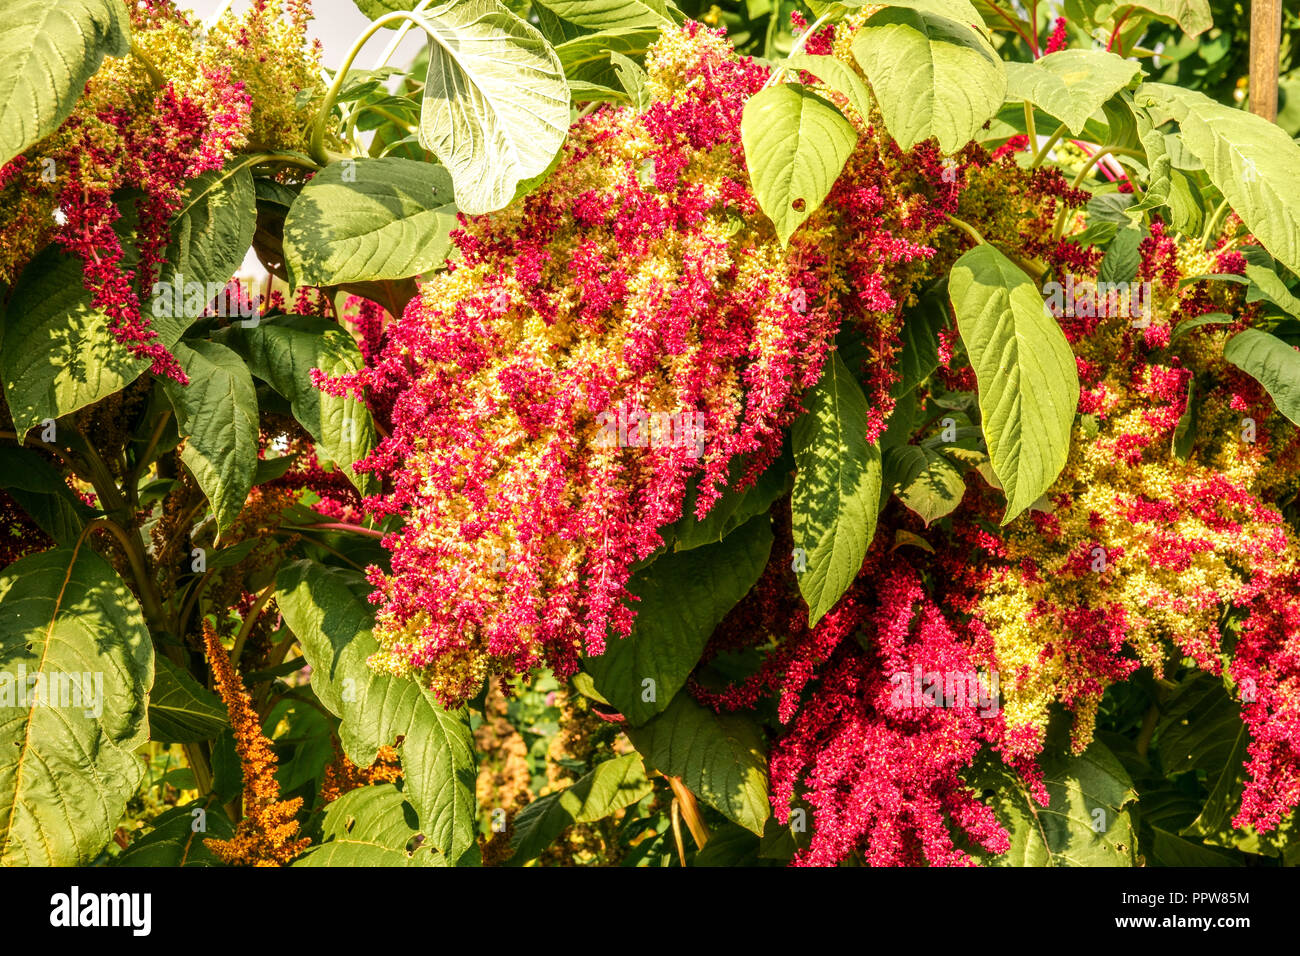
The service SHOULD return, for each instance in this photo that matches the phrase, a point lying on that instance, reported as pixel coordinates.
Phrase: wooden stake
(1265, 47)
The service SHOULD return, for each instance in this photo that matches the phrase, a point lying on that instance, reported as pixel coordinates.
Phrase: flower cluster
(642, 274)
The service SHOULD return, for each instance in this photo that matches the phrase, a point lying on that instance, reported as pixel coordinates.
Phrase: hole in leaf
(799, 205)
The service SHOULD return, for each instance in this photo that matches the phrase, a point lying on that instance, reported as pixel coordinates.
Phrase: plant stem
(250, 619)
(690, 811)
(795, 48)
(1148, 729)
(968, 229)
(337, 526)
(1047, 146)
(1030, 128)
(1213, 223)
(340, 77)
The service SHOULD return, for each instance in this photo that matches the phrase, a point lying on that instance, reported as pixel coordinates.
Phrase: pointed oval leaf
(496, 104)
(369, 219)
(836, 488)
(932, 76)
(1252, 161)
(1028, 382)
(1071, 84)
(1271, 362)
(796, 144)
(683, 595)
(47, 53)
(217, 415)
(371, 826)
(67, 761)
(327, 610)
(720, 758)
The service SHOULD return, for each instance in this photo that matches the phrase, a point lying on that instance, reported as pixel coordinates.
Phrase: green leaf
(683, 595)
(67, 763)
(836, 487)
(217, 414)
(50, 51)
(214, 229)
(1122, 258)
(838, 75)
(1028, 384)
(174, 841)
(796, 144)
(496, 105)
(1071, 84)
(932, 76)
(1271, 362)
(921, 326)
(1253, 163)
(282, 353)
(1199, 726)
(369, 219)
(720, 758)
(371, 826)
(734, 508)
(609, 14)
(1192, 15)
(924, 480)
(327, 610)
(632, 78)
(1214, 824)
(608, 788)
(1069, 831)
(1267, 285)
(56, 352)
(181, 710)
(589, 58)
(41, 492)
(1170, 850)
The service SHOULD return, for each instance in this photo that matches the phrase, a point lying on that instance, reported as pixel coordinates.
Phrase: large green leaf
(733, 509)
(213, 231)
(609, 14)
(924, 480)
(181, 710)
(217, 415)
(282, 352)
(1193, 16)
(588, 58)
(371, 826)
(1198, 727)
(496, 104)
(720, 758)
(369, 219)
(932, 76)
(57, 354)
(179, 837)
(836, 488)
(1253, 163)
(67, 761)
(1071, 84)
(683, 595)
(47, 53)
(1271, 362)
(1214, 824)
(1086, 821)
(796, 144)
(327, 611)
(611, 786)
(1028, 383)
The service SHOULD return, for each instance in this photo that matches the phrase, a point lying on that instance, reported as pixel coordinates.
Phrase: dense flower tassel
(266, 834)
